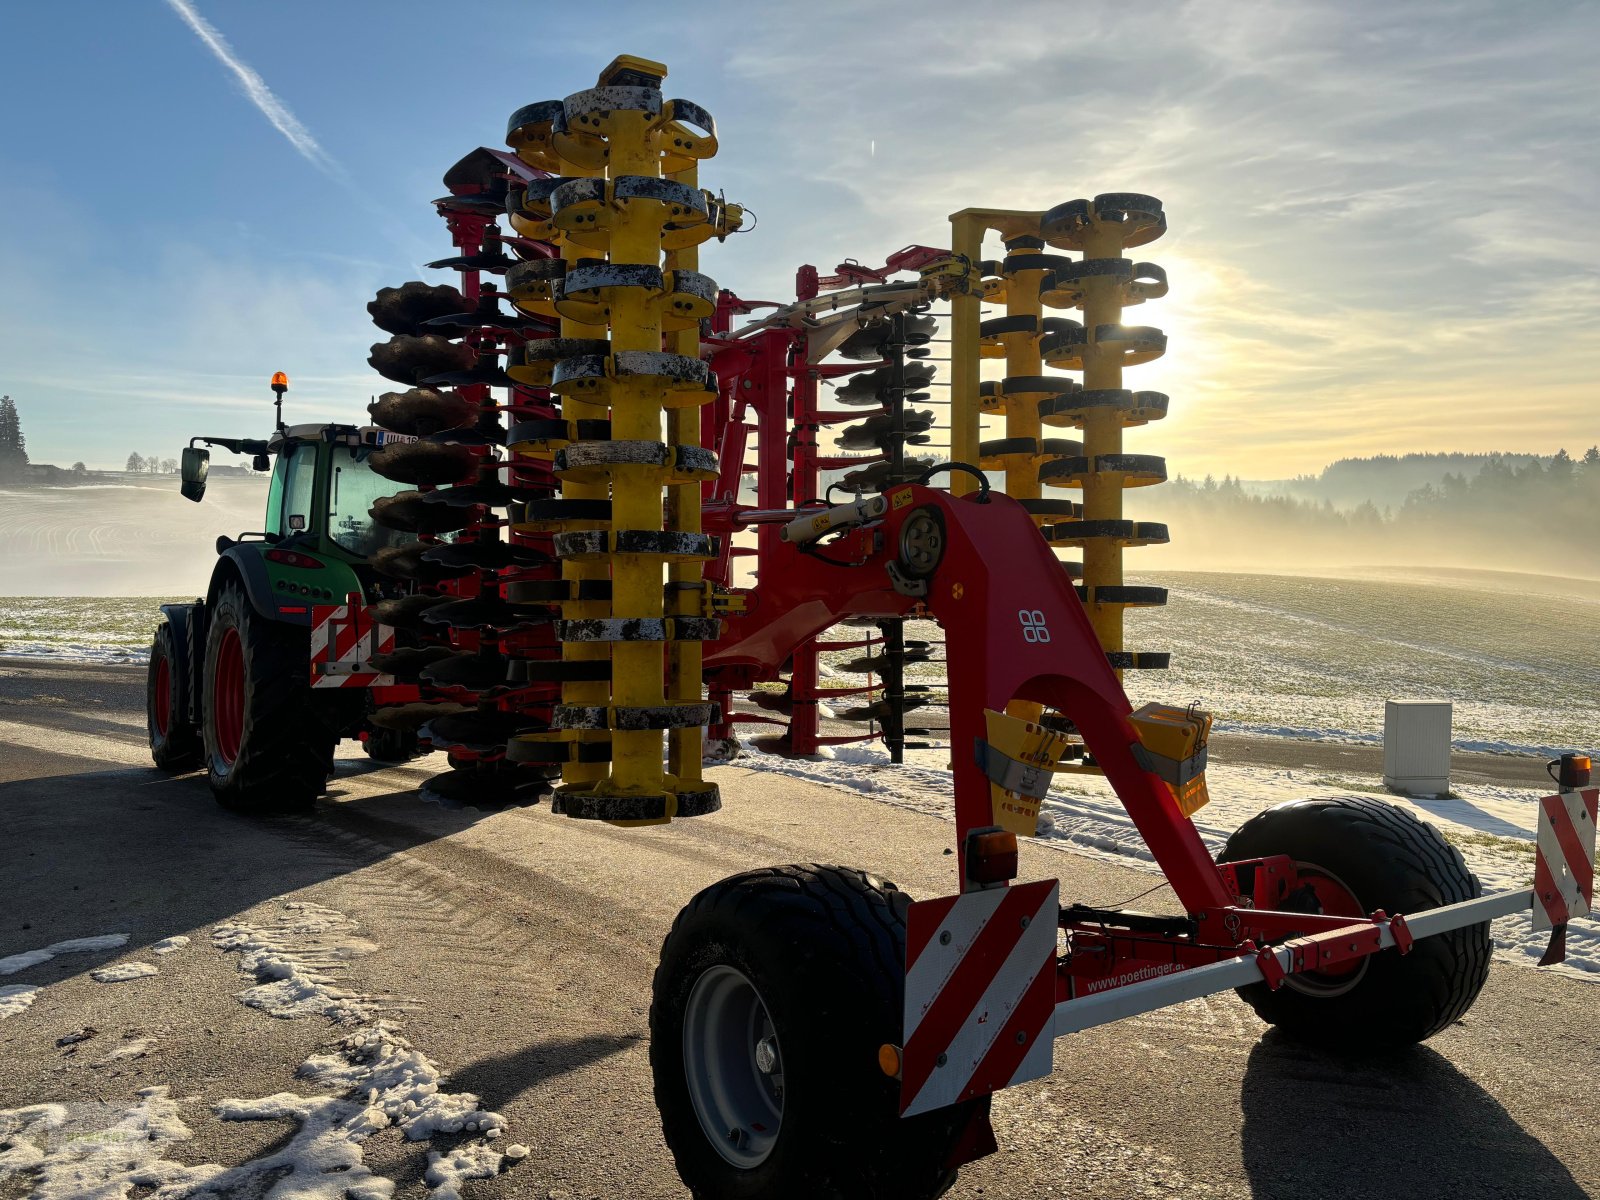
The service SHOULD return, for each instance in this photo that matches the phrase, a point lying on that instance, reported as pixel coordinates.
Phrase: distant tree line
(17, 469)
(1388, 479)
(1519, 512)
(154, 465)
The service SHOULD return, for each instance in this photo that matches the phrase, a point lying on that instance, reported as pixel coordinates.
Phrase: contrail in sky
(256, 90)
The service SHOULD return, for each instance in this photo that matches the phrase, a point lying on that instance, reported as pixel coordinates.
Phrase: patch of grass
(1345, 784)
(1516, 848)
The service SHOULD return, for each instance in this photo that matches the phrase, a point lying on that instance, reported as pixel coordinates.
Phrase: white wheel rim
(734, 1066)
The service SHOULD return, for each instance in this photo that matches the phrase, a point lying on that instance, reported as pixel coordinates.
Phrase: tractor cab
(317, 538)
(323, 490)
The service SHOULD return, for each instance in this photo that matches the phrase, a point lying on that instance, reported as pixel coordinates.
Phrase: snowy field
(1493, 827)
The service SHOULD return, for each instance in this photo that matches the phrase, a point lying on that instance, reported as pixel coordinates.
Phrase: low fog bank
(1540, 517)
(123, 538)
(1204, 539)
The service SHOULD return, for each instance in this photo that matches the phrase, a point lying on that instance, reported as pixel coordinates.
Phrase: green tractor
(230, 682)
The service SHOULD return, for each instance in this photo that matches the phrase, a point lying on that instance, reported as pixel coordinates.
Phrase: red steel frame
(768, 377)
(994, 555)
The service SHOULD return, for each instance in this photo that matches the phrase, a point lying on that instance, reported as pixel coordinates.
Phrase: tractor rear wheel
(174, 740)
(268, 745)
(1356, 855)
(775, 990)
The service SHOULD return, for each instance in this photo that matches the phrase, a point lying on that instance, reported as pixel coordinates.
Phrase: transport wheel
(1356, 855)
(775, 990)
(174, 741)
(391, 745)
(268, 746)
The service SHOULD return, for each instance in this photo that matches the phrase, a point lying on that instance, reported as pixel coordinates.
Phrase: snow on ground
(123, 972)
(91, 1151)
(1493, 827)
(373, 1079)
(84, 945)
(131, 1048)
(295, 960)
(14, 997)
(169, 944)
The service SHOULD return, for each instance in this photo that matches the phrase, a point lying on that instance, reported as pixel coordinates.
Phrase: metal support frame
(1131, 999)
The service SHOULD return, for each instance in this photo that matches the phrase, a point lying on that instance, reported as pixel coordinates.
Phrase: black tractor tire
(174, 739)
(1389, 859)
(284, 736)
(391, 745)
(824, 949)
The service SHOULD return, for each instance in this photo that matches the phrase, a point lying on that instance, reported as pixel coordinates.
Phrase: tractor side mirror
(261, 463)
(196, 463)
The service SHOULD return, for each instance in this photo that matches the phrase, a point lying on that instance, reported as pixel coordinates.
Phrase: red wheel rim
(163, 704)
(227, 697)
(1336, 900)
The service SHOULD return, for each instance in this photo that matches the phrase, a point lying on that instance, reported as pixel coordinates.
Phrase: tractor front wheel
(1354, 856)
(174, 740)
(775, 991)
(268, 745)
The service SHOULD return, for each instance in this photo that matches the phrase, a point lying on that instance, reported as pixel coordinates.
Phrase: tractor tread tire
(286, 751)
(825, 947)
(180, 750)
(1394, 861)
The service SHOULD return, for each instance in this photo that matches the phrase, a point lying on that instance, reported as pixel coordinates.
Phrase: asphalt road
(516, 950)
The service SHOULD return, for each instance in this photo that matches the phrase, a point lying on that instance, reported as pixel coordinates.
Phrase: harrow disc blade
(873, 341)
(487, 612)
(484, 433)
(486, 556)
(403, 309)
(493, 494)
(476, 672)
(411, 360)
(405, 612)
(487, 372)
(880, 711)
(479, 731)
(424, 462)
(878, 431)
(775, 743)
(422, 411)
(410, 513)
(881, 476)
(406, 663)
(498, 787)
(407, 562)
(411, 717)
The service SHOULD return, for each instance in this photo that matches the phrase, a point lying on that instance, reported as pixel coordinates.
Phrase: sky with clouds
(1383, 228)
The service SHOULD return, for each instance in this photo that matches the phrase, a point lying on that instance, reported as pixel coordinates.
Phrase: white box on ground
(1416, 746)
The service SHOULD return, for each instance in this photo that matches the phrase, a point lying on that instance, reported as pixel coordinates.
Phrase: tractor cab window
(352, 488)
(299, 483)
(291, 497)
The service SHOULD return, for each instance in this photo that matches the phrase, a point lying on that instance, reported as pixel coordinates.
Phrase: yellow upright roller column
(1101, 284)
(630, 215)
(584, 504)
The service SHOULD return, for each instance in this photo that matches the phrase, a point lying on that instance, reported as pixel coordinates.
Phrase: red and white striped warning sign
(1563, 872)
(344, 637)
(980, 994)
